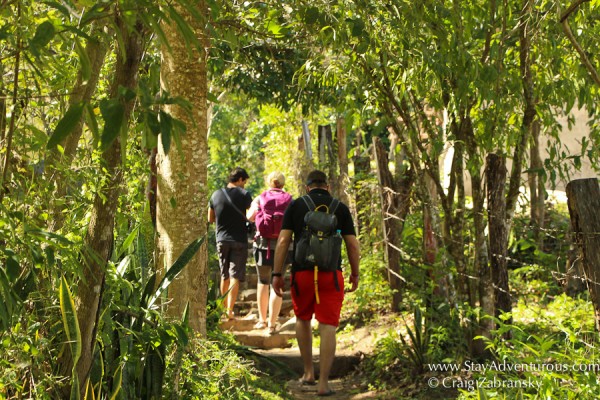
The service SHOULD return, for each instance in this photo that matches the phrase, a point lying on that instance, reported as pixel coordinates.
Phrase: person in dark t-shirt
(314, 292)
(228, 208)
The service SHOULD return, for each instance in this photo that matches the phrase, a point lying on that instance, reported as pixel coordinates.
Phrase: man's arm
(353, 250)
(211, 215)
(281, 250)
(253, 210)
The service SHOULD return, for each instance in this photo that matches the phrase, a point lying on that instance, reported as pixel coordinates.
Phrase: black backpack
(321, 243)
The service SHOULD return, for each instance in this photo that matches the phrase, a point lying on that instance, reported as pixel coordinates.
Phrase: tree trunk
(182, 173)
(394, 204)
(362, 170)
(342, 155)
(99, 239)
(584, 203)
(498, 231)
(303, 159)
(82, 91)
(328, 160)
(536, 186)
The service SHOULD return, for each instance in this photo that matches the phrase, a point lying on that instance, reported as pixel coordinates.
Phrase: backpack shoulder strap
(233, 205)
(309, 202)
(333, 205)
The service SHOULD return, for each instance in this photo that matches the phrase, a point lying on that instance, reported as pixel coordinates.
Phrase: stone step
(343, 363)
(248, 307)
(286, 324)
(244, 332)
(261, 339)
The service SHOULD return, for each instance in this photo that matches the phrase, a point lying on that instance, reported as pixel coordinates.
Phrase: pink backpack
(269, 218)
(271, 206)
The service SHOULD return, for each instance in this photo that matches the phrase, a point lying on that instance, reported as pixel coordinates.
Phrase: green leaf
(123, 265)
(66, 125)
(311, 15)
(43, 34)
(212, 98)
(176, 268)
(97, 11)
(48, 235)
(112, 112)
(84, 60)
(166, 123)
(92, 122)
(182, 336)
(148, 289)
(152, 122)
(358, 28)
(128, 241)
(13, 268)
(69, 317)
(75, 386)
(117, 382)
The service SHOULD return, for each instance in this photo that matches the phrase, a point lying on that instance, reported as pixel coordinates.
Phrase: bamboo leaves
(71, 325)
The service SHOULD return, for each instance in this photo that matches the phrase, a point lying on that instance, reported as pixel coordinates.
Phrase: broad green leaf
(43, 34)
(128, 241)
(112, 112)
(69, 317)
(274, 28)
(66, 125)
(123, 265)
(176, 268)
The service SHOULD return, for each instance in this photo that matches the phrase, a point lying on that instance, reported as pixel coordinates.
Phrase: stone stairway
(280, 346)
(246, 311)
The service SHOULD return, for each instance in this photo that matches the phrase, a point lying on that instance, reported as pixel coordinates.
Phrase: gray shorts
(232, 260)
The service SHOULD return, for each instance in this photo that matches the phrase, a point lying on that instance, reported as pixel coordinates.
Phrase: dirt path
(352, 346)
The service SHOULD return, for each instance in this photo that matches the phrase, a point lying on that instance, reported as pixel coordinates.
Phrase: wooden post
(584, 202)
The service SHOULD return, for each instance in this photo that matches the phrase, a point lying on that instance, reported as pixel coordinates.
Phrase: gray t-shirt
(231, 225)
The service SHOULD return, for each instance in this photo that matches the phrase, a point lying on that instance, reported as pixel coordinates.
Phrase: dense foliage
(433, 80)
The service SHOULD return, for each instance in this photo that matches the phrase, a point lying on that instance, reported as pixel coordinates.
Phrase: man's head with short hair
(238, 173)
(316, 179)
(276, 180)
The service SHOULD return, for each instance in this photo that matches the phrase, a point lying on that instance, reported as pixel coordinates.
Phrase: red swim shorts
(330, 298)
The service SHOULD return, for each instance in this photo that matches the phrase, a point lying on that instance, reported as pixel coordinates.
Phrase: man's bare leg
(234, 287)
(326, 355)
(304, 336)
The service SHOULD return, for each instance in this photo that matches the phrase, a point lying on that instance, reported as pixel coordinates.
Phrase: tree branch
(572, 9)
(584, 58)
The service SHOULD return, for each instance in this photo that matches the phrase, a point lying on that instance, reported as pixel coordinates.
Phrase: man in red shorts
(330, 284)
